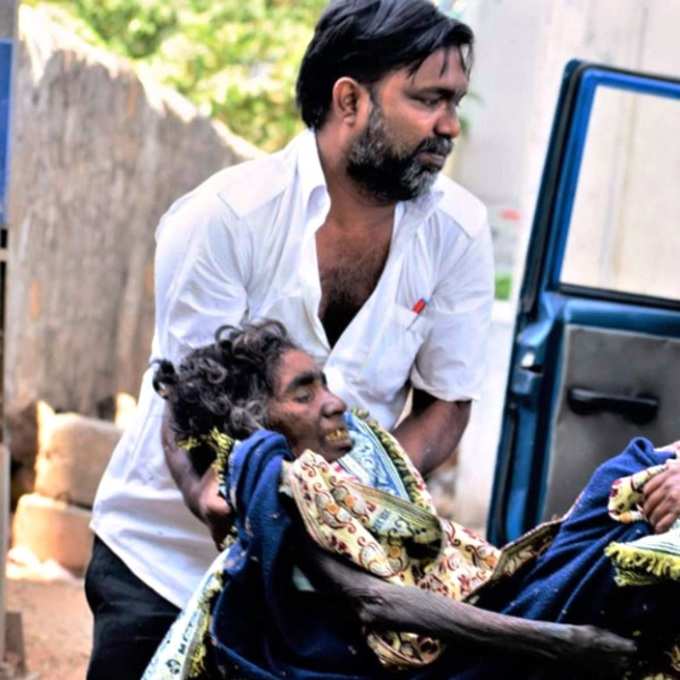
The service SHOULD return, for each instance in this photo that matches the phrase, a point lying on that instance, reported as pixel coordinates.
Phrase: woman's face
(305, 411)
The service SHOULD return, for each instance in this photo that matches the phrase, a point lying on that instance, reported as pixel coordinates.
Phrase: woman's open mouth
(339, 437)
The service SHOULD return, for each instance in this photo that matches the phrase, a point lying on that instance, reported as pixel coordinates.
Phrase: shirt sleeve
(450, 364)
(200, 273)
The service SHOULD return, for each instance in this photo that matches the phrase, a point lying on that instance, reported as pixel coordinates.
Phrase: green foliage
(135, 29)
(237, 61)
(503, 286)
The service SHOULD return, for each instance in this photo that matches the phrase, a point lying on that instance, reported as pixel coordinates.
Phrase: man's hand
(200, 492)
(662, 498)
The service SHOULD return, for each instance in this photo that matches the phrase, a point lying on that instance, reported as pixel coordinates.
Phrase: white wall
(522, 48)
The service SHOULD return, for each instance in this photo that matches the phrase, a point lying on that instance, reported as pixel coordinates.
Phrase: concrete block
(53, 529)
(74, 451)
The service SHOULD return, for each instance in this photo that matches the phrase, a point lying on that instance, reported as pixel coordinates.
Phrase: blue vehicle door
(596, 354)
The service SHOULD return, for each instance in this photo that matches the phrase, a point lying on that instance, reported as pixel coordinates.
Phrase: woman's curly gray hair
(225, 384)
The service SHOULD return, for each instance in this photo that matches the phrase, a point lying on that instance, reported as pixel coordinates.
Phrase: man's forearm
(432, 431)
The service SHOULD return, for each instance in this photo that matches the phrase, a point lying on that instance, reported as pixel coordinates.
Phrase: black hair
(224, 385)
(366, 40)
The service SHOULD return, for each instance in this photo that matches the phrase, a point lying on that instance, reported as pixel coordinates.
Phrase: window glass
(625, 227)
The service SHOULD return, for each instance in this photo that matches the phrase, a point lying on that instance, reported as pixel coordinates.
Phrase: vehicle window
(625, 228)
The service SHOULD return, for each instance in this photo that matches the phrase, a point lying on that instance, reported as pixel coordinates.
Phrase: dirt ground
(56, 620)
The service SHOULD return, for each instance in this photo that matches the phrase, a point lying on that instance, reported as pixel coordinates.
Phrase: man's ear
(349, 99)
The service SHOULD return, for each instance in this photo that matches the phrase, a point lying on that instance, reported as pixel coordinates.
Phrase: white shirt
(241, 247)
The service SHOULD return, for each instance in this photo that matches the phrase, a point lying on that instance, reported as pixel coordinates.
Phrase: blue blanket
(573, 581)
(263, 627)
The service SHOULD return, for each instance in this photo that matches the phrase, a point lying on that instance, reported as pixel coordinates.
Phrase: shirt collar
(310, 172)
(425, 205)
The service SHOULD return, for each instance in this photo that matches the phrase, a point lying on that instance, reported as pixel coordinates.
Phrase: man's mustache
(442, 146)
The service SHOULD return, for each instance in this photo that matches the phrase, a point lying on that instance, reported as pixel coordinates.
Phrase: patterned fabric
(372, 507)
(626, 495)
(367, 462)
(400, 540)
(649, 559)
(183, 650)
(653, 558)
(573, 580)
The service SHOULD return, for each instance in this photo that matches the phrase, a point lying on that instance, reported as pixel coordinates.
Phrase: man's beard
(386, 172)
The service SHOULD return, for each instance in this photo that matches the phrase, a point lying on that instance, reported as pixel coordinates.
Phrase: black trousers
(130, 619)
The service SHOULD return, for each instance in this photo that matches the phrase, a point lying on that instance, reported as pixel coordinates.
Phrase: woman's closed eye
(303, 395)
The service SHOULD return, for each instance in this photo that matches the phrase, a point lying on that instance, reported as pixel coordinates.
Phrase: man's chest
(349, 269)
(307, 278)
(376, 284)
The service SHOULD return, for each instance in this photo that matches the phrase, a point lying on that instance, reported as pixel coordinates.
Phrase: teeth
(336, 435)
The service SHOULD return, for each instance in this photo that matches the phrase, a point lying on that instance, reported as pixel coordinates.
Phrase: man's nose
(333, 405)
(448, 123)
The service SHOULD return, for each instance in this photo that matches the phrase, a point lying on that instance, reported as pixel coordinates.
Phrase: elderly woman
(307, 479)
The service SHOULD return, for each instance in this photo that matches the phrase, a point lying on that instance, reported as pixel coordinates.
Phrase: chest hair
(349, 273)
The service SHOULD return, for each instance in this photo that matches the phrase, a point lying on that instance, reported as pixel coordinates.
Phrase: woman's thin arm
(380, 604)
(200, 492)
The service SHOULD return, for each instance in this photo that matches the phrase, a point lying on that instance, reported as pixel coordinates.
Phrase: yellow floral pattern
(401, 541)
(626, 495)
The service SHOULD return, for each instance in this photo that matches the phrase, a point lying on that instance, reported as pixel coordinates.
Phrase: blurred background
(118, 107)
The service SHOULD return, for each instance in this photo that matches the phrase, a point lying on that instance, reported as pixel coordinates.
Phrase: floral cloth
(649, 559)
(652, 558)
(399, 540)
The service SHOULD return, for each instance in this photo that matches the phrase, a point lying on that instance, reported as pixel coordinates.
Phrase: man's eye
(429, 101)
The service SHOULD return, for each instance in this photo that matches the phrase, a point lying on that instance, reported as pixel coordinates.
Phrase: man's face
(410, 129)
(305, 411)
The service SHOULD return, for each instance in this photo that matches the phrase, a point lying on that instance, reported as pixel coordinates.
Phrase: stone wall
(98, 155)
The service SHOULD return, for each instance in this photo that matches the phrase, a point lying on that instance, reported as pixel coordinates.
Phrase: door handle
(639, 410)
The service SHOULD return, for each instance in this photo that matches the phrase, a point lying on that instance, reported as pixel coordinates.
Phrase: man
(381, 269)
